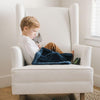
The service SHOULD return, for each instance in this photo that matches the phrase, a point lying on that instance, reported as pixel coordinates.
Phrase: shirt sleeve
(30, 48)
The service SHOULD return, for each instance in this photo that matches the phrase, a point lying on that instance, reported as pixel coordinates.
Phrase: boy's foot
(73, 52)
(73, 55)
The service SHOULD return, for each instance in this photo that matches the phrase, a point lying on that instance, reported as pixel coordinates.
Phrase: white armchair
(59, 25)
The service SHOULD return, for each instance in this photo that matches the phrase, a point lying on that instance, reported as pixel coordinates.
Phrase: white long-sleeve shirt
(29, 48)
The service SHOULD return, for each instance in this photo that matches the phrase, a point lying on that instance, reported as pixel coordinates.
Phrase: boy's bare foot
(73, 55)
(73, 52)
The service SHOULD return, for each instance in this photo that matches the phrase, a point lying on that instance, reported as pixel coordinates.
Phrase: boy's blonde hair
(29, 21)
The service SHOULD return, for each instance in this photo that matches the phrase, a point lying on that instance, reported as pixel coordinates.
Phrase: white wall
(38, 3)
(7, 38)
(8, 34)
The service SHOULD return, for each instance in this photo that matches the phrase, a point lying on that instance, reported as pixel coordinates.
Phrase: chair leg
(72, 97)
(22, 97)
(82, 96)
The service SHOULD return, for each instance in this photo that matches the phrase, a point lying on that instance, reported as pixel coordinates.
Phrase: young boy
(30, 26)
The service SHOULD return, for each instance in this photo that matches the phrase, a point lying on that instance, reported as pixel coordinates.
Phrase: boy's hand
(39, 45)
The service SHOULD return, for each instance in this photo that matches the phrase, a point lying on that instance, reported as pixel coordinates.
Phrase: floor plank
(6, 94)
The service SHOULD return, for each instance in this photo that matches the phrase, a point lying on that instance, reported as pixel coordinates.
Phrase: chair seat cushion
(37, 79)
(52, 73)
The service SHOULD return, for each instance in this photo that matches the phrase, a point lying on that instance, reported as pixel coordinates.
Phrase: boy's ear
(25, 28)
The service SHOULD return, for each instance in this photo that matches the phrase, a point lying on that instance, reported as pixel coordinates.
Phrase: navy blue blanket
(46, 57)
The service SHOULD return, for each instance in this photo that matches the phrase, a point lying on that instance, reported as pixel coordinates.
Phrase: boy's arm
(30, 48)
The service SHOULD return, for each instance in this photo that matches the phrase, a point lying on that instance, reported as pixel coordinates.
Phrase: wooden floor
(6, 94)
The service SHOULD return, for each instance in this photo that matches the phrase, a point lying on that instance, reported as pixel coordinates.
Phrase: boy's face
(31, 32)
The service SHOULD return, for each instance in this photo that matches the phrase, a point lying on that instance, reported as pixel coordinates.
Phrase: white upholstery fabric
(84, 52)
(53, 79)
(17, 57)
(37, 79)
(50, 73)
(74, 24)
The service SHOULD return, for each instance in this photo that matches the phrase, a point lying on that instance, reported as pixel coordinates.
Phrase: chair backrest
(54, 25)
(58, 24)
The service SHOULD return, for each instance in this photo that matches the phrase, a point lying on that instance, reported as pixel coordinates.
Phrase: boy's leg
(53, 46)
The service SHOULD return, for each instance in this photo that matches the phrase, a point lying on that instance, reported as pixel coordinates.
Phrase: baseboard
(5, 81)
(97, 80)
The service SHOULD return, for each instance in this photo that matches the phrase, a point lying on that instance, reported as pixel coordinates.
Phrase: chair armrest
(84, 52)
(16, 57)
